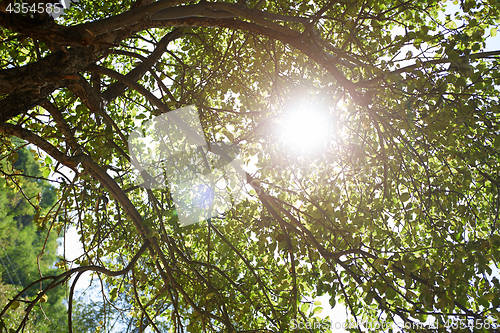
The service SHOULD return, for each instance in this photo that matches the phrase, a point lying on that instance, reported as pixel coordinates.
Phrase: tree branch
(135, 74)
(410, 68)
(15, 130)
(127, 18)
(306, 46)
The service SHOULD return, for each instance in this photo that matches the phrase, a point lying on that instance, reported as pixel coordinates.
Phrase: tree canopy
(393, 214)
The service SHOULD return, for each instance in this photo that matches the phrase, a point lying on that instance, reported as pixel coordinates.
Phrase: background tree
(28, 250)
(395, 217)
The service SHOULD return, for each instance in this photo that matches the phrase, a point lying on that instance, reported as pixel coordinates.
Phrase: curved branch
(127, 18)
(104, 271)
(138, 299)
(56, 280)
(306, 46)
(26, 86)
(70, 302)
(224, 10)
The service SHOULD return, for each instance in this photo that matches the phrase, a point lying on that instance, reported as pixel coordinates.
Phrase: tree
(395, 217)
(28, 248)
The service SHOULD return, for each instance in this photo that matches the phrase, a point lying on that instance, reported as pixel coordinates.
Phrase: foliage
(395, 217)
(28, 251)
(16, 312)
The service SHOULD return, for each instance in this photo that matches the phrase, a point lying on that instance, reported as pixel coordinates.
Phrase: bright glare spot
(305, 131)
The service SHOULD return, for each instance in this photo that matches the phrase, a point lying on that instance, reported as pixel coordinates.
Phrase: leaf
(493, 32)
(229, 135)
(81, 108)
(45, 171)
(13, 158)
(427, 297)
(14, 305)
(317, 310)
(149, 221)
(489, 296)
(410, 294)
(390, 293)
(378, 262)
(405, 196)
(113, 293)
(451, 25)
(36, 217)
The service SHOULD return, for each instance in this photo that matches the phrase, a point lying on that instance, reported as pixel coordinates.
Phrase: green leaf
(44, 298)
(81, 108)
(451, 25)
(493, 32)
(489, 296)
(46, 172)
(113, 294)
(14, 305)
(36, 217)
(390, 293)
(317, 310)
(405, 196)
(149, 221)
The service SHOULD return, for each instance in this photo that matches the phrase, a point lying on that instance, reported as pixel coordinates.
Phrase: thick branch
(128, 18)
(53, 68)
(226, 10)
(21, 102)
(104, 271)
(28, 85)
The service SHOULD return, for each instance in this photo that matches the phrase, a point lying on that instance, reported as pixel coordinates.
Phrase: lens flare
(305, 131)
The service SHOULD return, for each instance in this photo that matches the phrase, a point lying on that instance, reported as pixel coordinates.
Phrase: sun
(305, 131)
